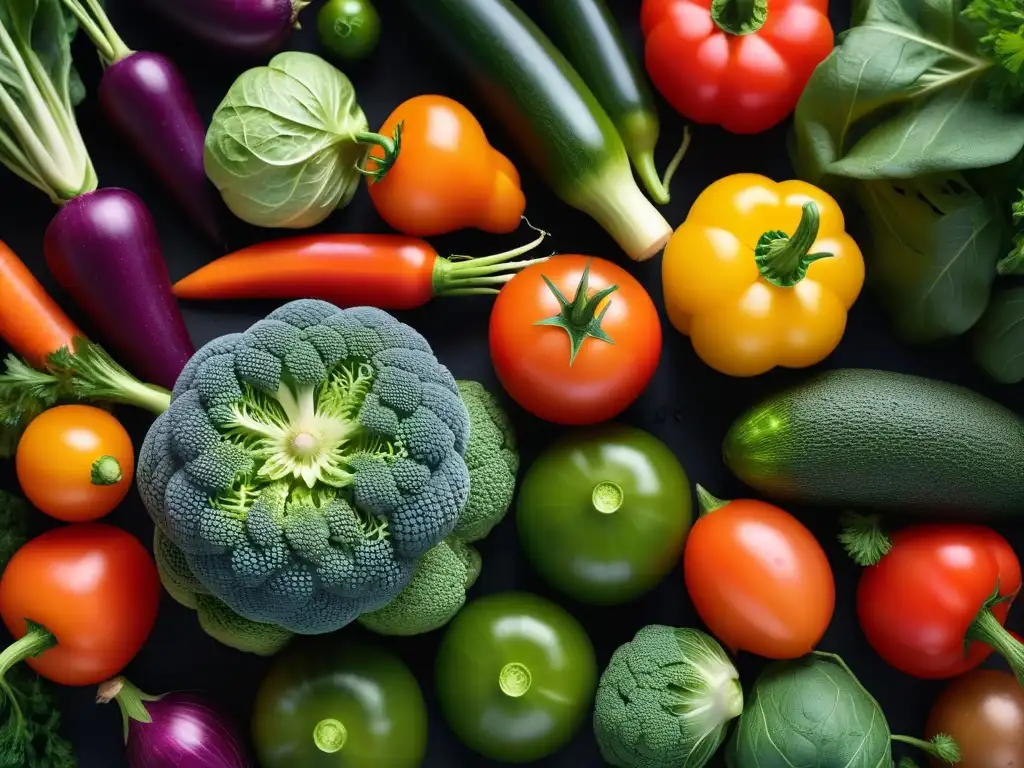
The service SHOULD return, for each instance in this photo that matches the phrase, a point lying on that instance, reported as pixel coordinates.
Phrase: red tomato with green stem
(758, 578)
(574, 340)
(933, 598)
(80, 602)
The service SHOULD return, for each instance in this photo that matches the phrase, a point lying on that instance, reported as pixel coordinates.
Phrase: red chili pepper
(741, 64)
(384, 271)
(934, 603)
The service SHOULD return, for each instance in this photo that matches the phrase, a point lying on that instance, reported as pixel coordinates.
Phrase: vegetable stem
(101, 32)
(579, 318)
(607, 497)
(36, 640)
(864, 539)
(330, 735)
(707, 502)
(648, 172)
(941, 747)
(106, 470)
(986, 629)
(454, 275)
(782, 259)
(515, 679)
(130, 700)
(391, 146)
(739, 17)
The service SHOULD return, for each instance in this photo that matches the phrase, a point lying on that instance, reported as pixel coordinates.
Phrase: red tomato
(758, 578)
(932, 593)
(598, 307)
(94, 588)
(75, 463)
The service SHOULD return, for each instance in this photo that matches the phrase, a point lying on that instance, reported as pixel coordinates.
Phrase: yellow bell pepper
(761, 274)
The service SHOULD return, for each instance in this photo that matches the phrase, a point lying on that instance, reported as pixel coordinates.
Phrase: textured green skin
(496, 630)
(600, 558)
(367, 689)
(875, 439)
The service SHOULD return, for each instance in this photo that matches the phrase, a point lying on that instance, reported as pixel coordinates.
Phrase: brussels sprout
(289, 143)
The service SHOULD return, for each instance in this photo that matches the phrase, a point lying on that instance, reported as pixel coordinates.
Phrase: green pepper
(328, 705)
(604, 512)
(516, 676)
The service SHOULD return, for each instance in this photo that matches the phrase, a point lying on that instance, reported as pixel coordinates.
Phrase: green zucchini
(588, 35)
(877, 440)
(554, 118)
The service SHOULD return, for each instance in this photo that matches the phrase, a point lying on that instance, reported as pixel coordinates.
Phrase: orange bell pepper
(447, 176)
(761, 274)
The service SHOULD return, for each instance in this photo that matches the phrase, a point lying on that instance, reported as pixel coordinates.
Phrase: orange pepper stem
(707, 502)
(579, 318)
(783, 259)
(986, 629)
(739, 17)
(391, 146)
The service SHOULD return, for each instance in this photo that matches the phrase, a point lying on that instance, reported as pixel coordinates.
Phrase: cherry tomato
(350, 29)
(939, 587)
(578, 351)
(758, 578)
(87, 594)
(984, 712)
(75, 463)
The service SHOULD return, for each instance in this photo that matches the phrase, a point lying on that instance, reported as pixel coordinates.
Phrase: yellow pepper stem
(739, 17)
(783, 259)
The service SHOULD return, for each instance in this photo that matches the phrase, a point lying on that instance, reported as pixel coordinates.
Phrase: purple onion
(103, 249)
(247, 28)
(176, 730)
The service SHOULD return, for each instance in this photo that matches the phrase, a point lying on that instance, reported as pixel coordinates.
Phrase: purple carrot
(145, 96)
(103, 249)
(248, 28)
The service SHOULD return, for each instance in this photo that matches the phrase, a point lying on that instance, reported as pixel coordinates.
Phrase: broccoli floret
(436, 593)
(306, 465)
(665, 700)
(493, 463)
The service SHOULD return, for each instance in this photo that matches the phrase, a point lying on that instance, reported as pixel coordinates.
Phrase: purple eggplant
(247, 28)
(102, 247)
(147, 99)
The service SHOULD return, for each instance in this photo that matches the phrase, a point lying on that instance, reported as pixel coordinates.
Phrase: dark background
(687, 405)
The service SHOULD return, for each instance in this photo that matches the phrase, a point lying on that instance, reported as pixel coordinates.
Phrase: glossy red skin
(744, 83)
(532, 362)
(916, 604)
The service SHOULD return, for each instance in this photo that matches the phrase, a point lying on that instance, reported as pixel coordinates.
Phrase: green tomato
(516, 676)
(322, 705)
(349, 29)
(604, 512)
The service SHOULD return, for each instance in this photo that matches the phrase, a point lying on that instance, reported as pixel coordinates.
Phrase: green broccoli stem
(515, 679)
(483, 275)
(707, 502)
(93, 19)
(106, 470)
(330, 735)
(130, 700)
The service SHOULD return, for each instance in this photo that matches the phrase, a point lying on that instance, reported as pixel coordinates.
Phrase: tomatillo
(603, 513)
(325, 705)
(516, 676)
(349, 29)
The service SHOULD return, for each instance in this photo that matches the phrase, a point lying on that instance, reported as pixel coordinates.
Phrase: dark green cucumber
(867, 439)
(551, 114)
(588, 35)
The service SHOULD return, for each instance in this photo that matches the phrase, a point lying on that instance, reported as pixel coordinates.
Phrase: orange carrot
(30, 320)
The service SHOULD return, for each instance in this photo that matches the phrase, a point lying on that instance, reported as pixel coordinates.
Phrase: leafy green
(287, 144)
(935, 244)
(814, 712)
(905, 93)
(39, 138)
(998, 340)
(1003, 42)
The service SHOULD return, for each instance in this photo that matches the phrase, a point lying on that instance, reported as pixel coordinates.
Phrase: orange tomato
(75, 462)
(447, 176)
(531, 342)
(94, 588)
(758, 578)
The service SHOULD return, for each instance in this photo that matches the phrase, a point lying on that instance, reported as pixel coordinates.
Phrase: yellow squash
(761, 274)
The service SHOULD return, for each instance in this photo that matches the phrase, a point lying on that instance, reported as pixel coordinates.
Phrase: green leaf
(998, 340)
(903, 94)
(809, 712)
(934, 248)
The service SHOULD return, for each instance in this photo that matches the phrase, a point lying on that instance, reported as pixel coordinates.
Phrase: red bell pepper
(740, 64)
(933, 601)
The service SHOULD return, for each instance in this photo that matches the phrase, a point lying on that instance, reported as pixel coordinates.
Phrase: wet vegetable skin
(516, 676)
(326, 705)
(604, 512)
(984, 711)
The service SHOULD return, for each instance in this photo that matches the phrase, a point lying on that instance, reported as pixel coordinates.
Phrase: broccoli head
(665, 700)
(306, 465)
